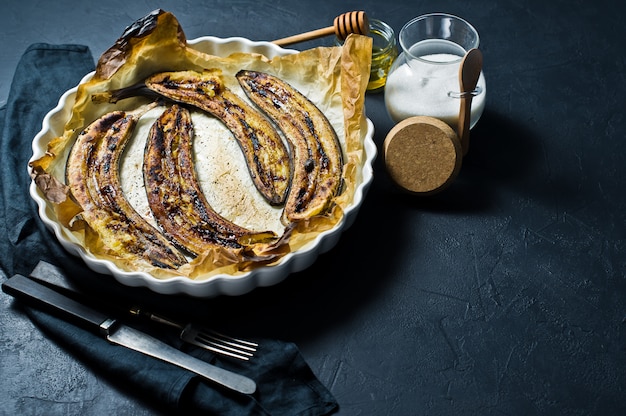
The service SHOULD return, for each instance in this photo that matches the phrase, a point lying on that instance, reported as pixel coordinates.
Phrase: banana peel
(333, 78)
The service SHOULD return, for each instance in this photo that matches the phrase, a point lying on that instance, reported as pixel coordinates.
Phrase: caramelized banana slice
(265, 153)
(317, 155)
(174, 194)
(93, 178)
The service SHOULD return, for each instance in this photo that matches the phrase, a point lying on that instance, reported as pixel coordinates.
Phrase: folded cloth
(285, 383)
(43, 74)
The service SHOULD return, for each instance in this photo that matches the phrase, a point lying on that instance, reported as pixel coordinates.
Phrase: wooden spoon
(469, 72)
(344, 24)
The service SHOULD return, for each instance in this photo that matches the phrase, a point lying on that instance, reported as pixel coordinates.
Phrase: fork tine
(226, 339)
(225, 345)
(219, 343)
(218, 350)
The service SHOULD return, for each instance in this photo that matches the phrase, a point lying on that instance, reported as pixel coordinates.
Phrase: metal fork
(205, 338)
(53, 277)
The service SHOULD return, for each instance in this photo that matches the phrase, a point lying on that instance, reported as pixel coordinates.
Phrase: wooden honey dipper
(344, 24)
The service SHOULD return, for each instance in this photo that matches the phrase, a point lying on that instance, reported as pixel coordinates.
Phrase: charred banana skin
(266, 155)
(175, 197)
(317, 154)
(93, 178)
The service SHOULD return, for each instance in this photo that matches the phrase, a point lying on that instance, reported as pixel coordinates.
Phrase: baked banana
(93, 177)
(176, 200)
(266, 155)
(317, 155)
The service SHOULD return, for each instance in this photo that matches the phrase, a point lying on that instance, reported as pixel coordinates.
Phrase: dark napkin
(286, 384)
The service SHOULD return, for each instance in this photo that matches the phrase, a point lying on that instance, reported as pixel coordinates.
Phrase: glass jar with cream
(424, 79)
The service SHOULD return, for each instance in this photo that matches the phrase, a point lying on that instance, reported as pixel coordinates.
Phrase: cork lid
(423, 155)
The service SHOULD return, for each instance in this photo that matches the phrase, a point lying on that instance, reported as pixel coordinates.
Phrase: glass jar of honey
(384, 52)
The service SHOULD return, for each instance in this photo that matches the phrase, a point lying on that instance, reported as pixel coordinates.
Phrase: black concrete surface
(506, 295)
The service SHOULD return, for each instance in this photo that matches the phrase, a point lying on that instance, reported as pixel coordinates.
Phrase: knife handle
(21, 287)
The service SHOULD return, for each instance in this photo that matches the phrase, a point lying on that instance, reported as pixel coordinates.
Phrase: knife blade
(115, 332)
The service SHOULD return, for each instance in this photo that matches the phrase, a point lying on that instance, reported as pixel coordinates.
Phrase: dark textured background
(506, 295)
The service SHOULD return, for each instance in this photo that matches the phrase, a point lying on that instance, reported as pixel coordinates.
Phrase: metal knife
(53, 277)
(23, 288)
